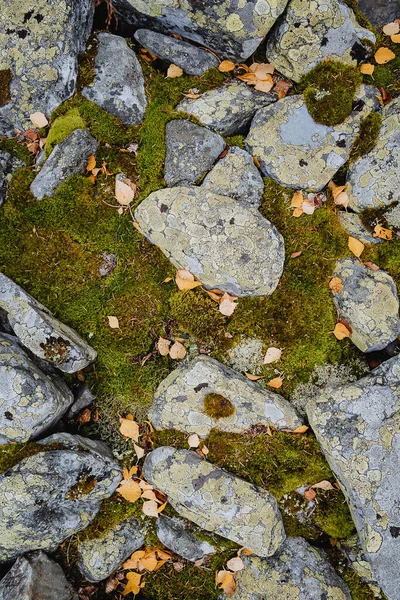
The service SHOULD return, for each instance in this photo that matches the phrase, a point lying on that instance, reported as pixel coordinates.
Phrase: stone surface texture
(224, 244)
(8, 164)
(352, 223)
(392, 216)
(179, 401)
(369, 303)
(172, 533)
(83, 397)
(216, 500)
(40, 332)
(380, 12)
(118, 84)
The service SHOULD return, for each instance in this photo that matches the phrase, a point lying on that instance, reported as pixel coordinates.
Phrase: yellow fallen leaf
(225, 580)
(92, 179)
(38, 119)
(184, 279)
(130, 490)
(391, 28)
(272, 355)
(149, 563)
(113, 322)
(340, 332)
(91, 163)
(249, 78)
(301, 429)
(194, 440)
(384, 55)
(177, 351)
(298, 212)
(297, 200)
(342, 199)
(275, 383)
(133, 585)
(226, 65)
(125, 191)
(395, 38)
(261, 70)
(355, 246)
(132, 562)
(150, 508)
(128, 474)
(382, 233)
(367, 69)
(254, 377)
(264, 86)
(227, 305)
(138, 451)
(336, 285)
(235, 564)
(161, 508)
(174, 71)
(323, 485)
(129, 429)
(163, 346)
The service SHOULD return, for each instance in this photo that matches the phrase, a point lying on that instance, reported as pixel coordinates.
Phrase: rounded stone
(172, 533)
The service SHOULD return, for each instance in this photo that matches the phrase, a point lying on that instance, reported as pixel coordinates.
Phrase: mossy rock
(5, 80)
(62, 127)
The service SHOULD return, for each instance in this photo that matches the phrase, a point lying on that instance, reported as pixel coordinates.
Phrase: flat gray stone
(369, 303)
(193, 60)
(118, 84)
(40, 332)
(352, 223)
(69, 157)
(227, 109)
(179, 401)
(216, 500)
(380, 12)
(224, 244)
(236, 176)
(190, 151)
(172, 533)
(8, 164)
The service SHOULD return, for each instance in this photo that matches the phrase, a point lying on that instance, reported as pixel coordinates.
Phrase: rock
(8, 164)
(224, 244)
(54, 494)
(40, 44)
(298, 152)
(380, 12)
(369, 303)
(118, 84)
(352, 223)
(236, 176)
(313, 30)
(189, 398)
(40, 332)
(193, 60)
(36, 577)
(100, 557)
(110, 260)
(227, 109)
(172, 533)
(296, 571)
(392, 217)
(68, 158)
(83, 398)
(374, 179)
(216, 500)
(30, 400)
(190, 151)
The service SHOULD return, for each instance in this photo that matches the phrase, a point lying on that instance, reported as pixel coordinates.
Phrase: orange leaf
(296, 254)
(130, 490)
(384, 55)
(371, 266)
(275, 383)
(264, 86)
(355, 246)
(91, 163)
(161, 508)
(150, 563)
(226, 65)
(336, 285)
(367, 69)
(298, 212)
(310, 495)
(341, 331)
(297, 200)
(382, 233)
(184, 279)
(395, 38)
(254, 377)
(174, 71)
(129, 429)
(133, 585)
(225, 580)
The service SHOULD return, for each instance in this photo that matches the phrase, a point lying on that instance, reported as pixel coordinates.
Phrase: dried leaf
(310, 495)
(395, 38)
(301, 429)
(177, 351)
(163, 346)
(341, 331)
(174, 71)
(367, 69)
(133, 585)
(355, 246)
(194, 440)
(341, 199)
(129, 429)
(149, 495)
(249, 78)
(227, 305)
(138, 451)
(179, 566)
(225, 580)
(391, 28)
(113, 322)
(275, 383)
(296, 254)
(297, 200)
(323, 485)
(38, 119)
(254, 377)
(336, 285)
(384, 55)
(164, 554)
(161, 508)
(371, 266)
(130, 490)
(145, 486)
(205, 450)
(382, 233)
(226, 65)
(128, 474)
(91, 163)
(150, 508)
(192, 96)
(85, 416)
(264, 86)
(281, 88)
(262, 69)
(272, 355)
(125, 191)
(215, 295)
(149, 563)
(185, 280)
(308, 207)
(132, 562)
(297, 212)
(235, 564)
(256, 162)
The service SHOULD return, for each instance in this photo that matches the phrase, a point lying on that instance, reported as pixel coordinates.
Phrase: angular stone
(298, 152)
(40, 43)
(374, 179)
(392, 216)
(83, 397)
(224, 244)
(193, 60)
(227, 109)
(180, 401)
(216, 500)
(40, 332)
(236, 176)
(8, 164)
(68, 158)
(352, 223)
(118, 84)
(100, 557)
(36, 577)
(172, 533)
(190, 151)
(51, 495)
(368, 302)
(313, 30)
(380, 12)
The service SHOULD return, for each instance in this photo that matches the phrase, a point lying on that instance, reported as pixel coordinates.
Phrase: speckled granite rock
(392, 216)
(236, 176)
(40, 43)
(30, 400)
(36, 577)
(8, 164)
(49, 496)
(380, 12)
(227, 109)
(312, 30)
(100, 557)
(118, 84)
(180, 401)
(296, 151)
(374, 179)
(190, 151)
(172, 533)
(193, 60)
(216, 500)
(352, 223)
(40, 332)
(68, 158)
(226, 245)
(369, 303)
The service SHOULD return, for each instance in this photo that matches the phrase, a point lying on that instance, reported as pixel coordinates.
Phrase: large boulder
(224, 244)
(380, 12)
(173, 534)
(8, 164)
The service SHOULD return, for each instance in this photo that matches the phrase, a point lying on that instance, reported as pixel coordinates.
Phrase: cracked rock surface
(224, 244)
(216, 500)
(180, 401)
(8, 164)
(172, 533)
(352, 223)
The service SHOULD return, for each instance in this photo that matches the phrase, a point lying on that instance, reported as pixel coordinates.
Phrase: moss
(16, 149)
(386, 76)
(361, 18)
(83, 487)
(332, 515)
(113, 510)
(86, 72)
(62, 127)
(11, 454)
(217, 407)
(367, 136)
(5, 81)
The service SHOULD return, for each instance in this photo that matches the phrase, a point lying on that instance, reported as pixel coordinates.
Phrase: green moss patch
(62, 127)
(218, 407)
(367, 136)
(5, 81)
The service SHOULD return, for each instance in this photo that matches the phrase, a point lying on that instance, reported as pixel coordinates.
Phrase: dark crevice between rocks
(5, 81)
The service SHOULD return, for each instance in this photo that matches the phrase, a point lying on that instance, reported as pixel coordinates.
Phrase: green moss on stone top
(367, 136)
(218, 407)
(62, 127)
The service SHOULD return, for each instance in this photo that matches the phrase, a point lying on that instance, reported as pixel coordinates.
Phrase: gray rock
(352, 223)
(190, 151)
(224, 244)
(51, 495)
(296, 151)
(100, 557)
(236, 176)
(36, 577)
(172, 533)
(83, 398)
(313, 30)
(216, 500)
(40, 332)
(118, 84)
(8, 164)
(392, 216)
(193, 60)
(369, 303)
(227, 109)
(68, 158)
(374, 179)
(180, 401)
(380, 12)
(40, 43)
(110, 260)
(296, 572)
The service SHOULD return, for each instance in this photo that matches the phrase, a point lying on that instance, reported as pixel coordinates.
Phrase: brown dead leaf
(275, 383)
(297, 212)
(384, 55)
(382, 233)
(296, 254)
(225, 580)
(129, 429)
(355, 246)
(272, 355)
(391, 28)
(249, 78)
(310, 495)
(371, 266)
(38, 119)
(256, 162)
(177, 351)
(323, 485)
(113, 322)
(225, 66)
(301, 429)
(130, 490)
(85, 416)
(91, 163)
(185, 280)
(297, 200)
(125, 190)
(174, 71)
(215, 295)
(264, 86)
(254, 377)
(336, 285)
(367, 69)
(133, 585)
(163, 346)
(161, 508)
(281, 88)
(341, 331)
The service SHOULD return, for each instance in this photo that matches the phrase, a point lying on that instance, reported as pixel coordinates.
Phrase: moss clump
(332, 515)
(62, 127)
(86, 63)
(83, 487)
(367, 137)
(218, 407)
(5, 81)
(11, 454)
(17, 150)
